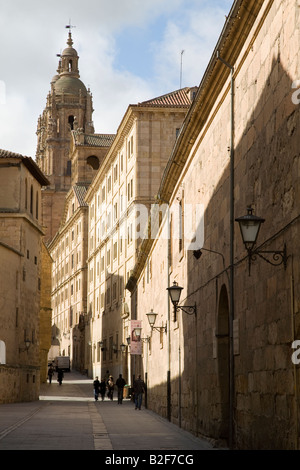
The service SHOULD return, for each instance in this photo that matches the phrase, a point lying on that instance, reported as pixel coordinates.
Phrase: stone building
(228, 370)
(21, 236)
(119, 199)
(69, 252)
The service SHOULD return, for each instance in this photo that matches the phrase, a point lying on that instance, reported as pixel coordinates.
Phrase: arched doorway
(222, 334)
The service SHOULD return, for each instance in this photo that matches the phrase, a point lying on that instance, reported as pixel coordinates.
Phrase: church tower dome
(69, 107)
(69, 81)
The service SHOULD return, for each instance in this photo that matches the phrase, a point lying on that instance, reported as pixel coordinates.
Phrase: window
(115, 211)
(26, 193)
(71, 119)
(69, 168)
(115, 253)
(109, 184)
(115, 173)
(31, 199)
(108, 296)
(93, 162)
(114, 292)
(130, 190)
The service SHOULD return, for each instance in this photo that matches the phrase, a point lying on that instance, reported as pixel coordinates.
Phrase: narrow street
(67, 418)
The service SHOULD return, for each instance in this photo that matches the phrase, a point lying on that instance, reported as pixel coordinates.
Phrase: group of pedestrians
(99, 388)
(108, 386)
(60, 374)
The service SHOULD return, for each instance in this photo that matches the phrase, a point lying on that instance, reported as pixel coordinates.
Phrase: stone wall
(266, 308)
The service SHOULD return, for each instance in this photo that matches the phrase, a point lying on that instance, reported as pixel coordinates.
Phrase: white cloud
(34, 33)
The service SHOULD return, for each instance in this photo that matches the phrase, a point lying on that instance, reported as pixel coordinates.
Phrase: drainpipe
(294, 365)
(169, 327)
(231, 283)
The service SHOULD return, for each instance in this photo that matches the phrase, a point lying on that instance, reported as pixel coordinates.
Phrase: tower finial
(70, 26)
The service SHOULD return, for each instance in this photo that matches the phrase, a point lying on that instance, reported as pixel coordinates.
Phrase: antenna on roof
(181, 69)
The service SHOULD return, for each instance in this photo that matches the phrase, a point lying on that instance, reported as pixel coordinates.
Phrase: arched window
(2, 353)
(70, 66)
(71, 122)
(93, 162)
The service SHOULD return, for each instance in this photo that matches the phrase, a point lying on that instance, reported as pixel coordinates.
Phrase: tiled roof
(99, 140)
(80, 192)
(176, 98)
(8, 154)
(29, 163)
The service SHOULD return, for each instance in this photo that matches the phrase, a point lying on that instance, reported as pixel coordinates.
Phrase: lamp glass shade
(137, 331)
(101, 344)
(151, 317)
(249, 226)
(123, 347)
(174, 292)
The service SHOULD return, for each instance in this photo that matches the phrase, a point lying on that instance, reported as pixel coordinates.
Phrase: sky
(129, 51)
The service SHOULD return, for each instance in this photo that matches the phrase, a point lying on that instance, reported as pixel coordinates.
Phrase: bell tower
(68, 107)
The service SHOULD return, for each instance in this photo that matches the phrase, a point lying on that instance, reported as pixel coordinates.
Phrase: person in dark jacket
(102, 388)
(60, 376)
(120, 383)
(96, 385)
(138, 390)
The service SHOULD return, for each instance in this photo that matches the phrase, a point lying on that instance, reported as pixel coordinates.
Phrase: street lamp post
(250, 226)
(175, 293)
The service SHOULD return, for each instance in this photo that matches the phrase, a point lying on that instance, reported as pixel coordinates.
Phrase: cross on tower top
(70, 26)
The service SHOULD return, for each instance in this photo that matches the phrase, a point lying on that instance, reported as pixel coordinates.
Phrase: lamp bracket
(278, 256)
(145, 340)
(189, 309)
(160, 328)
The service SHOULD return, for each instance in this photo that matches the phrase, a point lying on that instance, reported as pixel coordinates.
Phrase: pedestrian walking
(102, 388)
(138, 390)
(96, 385)
(60, 376)
(120, 383)
(110, 387)
(50, 373)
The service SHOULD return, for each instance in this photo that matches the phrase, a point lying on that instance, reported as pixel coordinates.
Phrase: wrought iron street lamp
(138, 332)
(249, 226)
(122, 348)
(27, 343)
(151, 319)
(175, 293)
